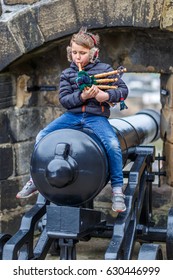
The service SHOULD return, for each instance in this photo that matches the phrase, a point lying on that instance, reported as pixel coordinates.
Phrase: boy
(88, 108)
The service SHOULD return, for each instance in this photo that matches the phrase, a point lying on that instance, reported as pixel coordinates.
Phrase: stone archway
(34, 25)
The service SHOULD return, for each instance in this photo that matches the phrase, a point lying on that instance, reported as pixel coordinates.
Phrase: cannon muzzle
(70, 167)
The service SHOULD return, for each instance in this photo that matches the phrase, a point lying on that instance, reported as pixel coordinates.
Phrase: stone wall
(34, 36)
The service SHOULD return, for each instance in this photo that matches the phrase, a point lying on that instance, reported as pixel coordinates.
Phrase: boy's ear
(94, 53)
(69, 55)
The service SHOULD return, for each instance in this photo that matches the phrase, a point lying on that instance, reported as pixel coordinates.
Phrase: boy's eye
(81, 53)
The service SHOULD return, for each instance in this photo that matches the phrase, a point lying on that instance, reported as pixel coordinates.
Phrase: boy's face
(80, 54)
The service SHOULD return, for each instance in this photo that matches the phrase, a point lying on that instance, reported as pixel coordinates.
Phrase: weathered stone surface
(167, 125)
(11, 220)
(168, 153)
(8, 190)
(67, 16)
(146, 13)
(4, 129)
(162, 196)
(23, 152)
(132, 13)
(6, 161)
(29, 36)
(7, 92)
(10, 50)
(166, 22)
(63, 19)
(167, 107)
(24, 123)
(137, 50)
(90, 14)
(118, 13)
(47, 115)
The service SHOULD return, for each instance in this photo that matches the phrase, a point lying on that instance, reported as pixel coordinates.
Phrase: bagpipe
(84, 80)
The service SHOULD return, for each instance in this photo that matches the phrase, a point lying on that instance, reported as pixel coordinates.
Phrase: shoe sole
(27, 196)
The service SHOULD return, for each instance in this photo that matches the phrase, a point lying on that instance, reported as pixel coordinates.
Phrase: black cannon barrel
(139, 129)
(70, 167)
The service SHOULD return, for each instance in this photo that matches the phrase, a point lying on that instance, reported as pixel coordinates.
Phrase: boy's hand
(91, 92)
(102, 96)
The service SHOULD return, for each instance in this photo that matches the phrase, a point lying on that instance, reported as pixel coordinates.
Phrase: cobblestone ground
(95, 250)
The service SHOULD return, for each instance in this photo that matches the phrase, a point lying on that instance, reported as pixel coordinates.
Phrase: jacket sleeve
(121, 92)
(69, 96)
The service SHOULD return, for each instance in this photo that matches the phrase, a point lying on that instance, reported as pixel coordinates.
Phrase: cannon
(70, 169)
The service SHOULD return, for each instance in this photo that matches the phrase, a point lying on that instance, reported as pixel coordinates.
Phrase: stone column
(167, 125)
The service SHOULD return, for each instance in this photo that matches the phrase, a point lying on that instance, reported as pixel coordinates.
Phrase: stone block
(4, 131)
(10, 222)
(29, 36)
(118, 13)
(6, 91)
(24, 123)
(166, 21)
(146, 13)
(168, 152)
(11, 50)
(8, 190)
(131, 13)
(6, 161)
(166, 125)
(12, 209)
(48, 114)
(162, 196)
(91, 13)
(61, 19)
(23, 152)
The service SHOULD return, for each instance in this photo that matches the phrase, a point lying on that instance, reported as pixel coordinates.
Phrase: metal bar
(25, 234)
(41, 88)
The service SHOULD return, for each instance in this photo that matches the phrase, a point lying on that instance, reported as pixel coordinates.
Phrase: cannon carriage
(70, 168)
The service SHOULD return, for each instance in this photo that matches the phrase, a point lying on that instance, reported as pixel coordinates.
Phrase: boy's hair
(87, 40)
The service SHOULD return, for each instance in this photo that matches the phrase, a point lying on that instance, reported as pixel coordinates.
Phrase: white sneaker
(118, 203)
(28, 190)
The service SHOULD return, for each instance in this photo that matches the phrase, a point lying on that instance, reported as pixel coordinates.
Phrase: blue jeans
(102, 129)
